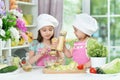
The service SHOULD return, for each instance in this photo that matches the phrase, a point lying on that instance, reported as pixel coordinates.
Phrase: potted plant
(97, 52)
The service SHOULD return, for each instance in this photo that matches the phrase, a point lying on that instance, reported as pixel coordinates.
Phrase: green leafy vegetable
(95, 49)
(112, 67)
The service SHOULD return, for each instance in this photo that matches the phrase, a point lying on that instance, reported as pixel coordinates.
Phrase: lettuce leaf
(96, 49)
(112, 67)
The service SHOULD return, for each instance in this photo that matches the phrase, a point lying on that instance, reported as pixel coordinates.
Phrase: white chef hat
(46, 20)
(85, 23)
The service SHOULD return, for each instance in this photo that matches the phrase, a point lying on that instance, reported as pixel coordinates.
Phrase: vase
(4, 44)
(98, 61)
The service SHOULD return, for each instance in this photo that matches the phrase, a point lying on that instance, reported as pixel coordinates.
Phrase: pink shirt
(80, 53)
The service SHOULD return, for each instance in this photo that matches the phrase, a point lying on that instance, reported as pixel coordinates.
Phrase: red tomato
(93, 70)
(80, 66)
(23, 62)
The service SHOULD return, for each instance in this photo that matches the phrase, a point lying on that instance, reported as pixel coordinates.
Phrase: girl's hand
(88, 64)
(44, 51)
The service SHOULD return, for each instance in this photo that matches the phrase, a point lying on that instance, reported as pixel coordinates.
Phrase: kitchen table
(36, 74)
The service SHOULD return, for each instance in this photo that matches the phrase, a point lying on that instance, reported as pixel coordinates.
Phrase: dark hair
(40, 38)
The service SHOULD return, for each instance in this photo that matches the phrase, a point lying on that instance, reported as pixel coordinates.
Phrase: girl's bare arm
(67, 52)
(33, 58)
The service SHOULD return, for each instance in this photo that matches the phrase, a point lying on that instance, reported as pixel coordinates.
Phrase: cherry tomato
(23, 62)
(80, 66)
(93, 70)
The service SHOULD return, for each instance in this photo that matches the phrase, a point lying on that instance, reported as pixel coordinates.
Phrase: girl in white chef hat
(40, 48)
(84, 27)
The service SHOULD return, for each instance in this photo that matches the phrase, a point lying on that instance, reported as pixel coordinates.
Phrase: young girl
(40, 48)
(84, 26)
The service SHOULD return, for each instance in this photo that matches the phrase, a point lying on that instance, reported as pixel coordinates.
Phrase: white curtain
(54, 8)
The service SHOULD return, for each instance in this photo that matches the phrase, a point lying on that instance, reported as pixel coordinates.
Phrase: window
(107, 13)
(71, 8)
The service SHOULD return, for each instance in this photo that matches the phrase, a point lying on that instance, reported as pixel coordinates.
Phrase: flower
(2, 32)
(11, 23)
(17, 13)
(2, 8)
(14, 34)
(21, 25)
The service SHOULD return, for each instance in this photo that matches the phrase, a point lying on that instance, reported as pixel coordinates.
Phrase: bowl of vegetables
(111, 68)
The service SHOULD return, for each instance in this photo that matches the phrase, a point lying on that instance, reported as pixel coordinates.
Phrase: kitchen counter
(36, 74)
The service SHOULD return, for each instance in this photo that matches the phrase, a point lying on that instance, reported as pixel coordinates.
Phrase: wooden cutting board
(50, 71)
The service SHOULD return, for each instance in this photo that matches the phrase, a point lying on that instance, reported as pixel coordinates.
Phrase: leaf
(95, 49)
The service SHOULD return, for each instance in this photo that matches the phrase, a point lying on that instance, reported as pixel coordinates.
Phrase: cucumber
(99, 70)
(8, 69)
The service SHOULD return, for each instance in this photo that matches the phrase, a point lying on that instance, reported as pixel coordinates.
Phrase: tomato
(23, 62)
(93, 70)
(80, 66)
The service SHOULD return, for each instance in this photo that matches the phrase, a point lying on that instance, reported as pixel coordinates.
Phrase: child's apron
(80, 53)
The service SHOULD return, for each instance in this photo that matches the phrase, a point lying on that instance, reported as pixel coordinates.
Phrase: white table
(36, 74)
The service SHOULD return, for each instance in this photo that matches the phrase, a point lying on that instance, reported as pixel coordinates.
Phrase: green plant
(95, 49)
(8, 21)
(11, 24)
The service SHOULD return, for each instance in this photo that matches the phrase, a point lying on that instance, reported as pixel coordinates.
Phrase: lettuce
(112, 67)
(95, 49)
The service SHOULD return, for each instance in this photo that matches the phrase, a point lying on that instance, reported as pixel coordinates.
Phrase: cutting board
(50, 71)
